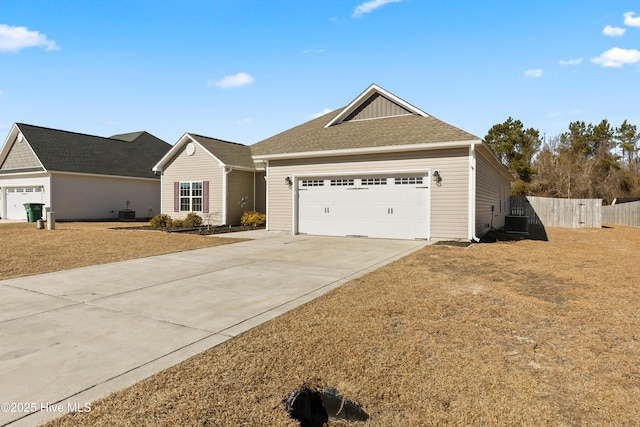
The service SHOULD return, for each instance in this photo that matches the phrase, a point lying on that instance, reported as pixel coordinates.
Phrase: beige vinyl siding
(239, 189)
(94, 197)
(201, 166)
(377, 106)
(260, 192)
(449, 201)
(491, 190)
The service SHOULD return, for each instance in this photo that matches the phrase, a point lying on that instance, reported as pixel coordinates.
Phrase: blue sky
(245, 70)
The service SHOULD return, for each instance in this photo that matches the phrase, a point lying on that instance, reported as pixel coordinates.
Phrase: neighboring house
(79, 176)
(381, 167)
(216, 179)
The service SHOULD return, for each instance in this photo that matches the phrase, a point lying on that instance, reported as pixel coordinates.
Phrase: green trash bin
(34, 211)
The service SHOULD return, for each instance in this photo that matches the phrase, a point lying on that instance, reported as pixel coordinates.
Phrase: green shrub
(192, 220)
(161, 221)
(177, 223)
(253, 218)
(519, 188)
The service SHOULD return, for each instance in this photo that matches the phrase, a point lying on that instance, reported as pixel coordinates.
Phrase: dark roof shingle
(229, 153)
(389, 131)
(122, 155)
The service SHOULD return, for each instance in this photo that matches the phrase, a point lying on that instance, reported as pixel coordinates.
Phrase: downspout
(227, 170)
(266, 192)
(472, 194)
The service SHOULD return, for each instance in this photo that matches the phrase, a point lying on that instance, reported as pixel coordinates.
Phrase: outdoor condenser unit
(516, 224)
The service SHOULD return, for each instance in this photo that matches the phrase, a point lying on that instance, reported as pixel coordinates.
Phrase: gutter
(367, 150)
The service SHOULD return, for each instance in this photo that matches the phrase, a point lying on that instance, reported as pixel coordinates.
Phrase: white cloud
(576, 61)
(313, 51)
(613, 31)
(237, 80)
(321, 113)
(630, 20)
(370, 6)
(533, 74)
(13, 39)
(617, 57)
(244, 121)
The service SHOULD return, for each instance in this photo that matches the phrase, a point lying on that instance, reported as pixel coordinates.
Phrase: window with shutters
(191, 196)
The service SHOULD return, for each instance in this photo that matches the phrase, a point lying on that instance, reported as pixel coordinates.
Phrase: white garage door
(379, 206)
(17, 197)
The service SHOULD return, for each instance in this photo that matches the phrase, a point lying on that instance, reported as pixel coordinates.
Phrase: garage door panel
(16, 197)
(384, 207)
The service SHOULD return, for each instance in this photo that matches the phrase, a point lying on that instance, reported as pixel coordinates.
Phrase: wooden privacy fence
(622, 214)
(550, 212)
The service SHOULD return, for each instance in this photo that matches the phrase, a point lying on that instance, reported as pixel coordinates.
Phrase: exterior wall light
(288, 181)
(437, 178)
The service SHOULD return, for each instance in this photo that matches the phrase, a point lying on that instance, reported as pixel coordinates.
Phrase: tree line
(586, 161)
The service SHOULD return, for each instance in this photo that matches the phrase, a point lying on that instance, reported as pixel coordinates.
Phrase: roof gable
(229, 153)
(225, 152)
(19, 156)
(64, 151)
(375, 103)
(376, 120)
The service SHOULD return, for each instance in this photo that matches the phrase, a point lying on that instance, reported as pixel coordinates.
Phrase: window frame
(191, 196)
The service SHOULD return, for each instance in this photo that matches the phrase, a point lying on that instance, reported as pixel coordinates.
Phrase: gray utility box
(127, 214)
(516, 224)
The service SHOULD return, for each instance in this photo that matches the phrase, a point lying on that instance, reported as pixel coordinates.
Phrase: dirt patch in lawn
(27, 250)
(509, 333)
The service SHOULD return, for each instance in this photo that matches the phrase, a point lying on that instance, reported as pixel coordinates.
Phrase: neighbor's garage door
(17, 197)
(382, 206)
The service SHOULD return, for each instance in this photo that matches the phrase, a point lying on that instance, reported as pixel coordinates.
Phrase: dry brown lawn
(27, 250)
(510, 333)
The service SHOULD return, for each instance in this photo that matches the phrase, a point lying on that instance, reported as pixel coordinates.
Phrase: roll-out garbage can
(34, 211)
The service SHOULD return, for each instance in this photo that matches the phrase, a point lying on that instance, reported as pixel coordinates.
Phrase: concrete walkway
(70, 337)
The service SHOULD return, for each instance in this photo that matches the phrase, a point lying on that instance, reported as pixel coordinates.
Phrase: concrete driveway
(70, 337)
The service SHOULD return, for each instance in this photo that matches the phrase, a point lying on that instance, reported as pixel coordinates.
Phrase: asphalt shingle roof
(230, 153)
(122, 155)
(381, 132)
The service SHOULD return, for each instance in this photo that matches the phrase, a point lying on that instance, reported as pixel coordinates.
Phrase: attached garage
(386, 206)
(380, 167)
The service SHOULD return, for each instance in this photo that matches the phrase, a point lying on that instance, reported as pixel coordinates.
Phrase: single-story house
(216, 179)
(79, 176)
(380, 167)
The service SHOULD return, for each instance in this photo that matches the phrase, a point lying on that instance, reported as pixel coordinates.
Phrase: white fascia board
(7, 142)
(364, 95)
(370, 150)
(24, 174)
